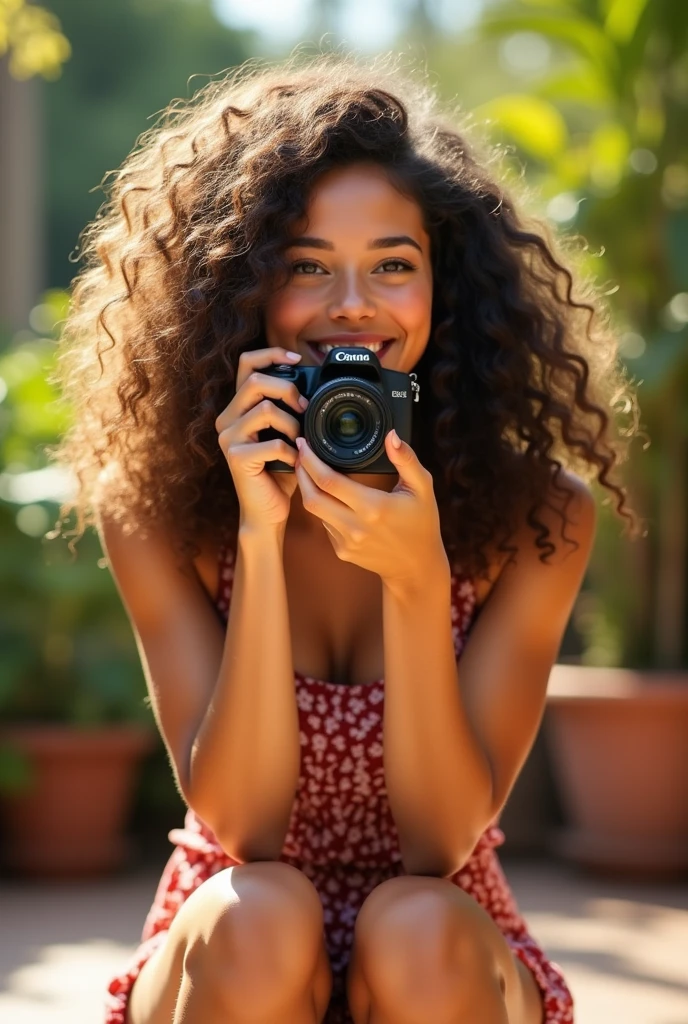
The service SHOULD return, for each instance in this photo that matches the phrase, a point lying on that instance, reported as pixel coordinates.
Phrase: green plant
(33, 38)
(604, 132)
(67, 650)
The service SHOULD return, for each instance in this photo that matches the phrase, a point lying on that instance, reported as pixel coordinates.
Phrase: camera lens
(346, 425)
(346, 422)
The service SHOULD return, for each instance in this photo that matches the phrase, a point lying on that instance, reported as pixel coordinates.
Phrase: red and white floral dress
(342, 834)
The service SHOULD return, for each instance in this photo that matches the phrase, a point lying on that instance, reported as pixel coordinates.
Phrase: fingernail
(293, 356)
(303, 401)
(299, 443)
(396, 441)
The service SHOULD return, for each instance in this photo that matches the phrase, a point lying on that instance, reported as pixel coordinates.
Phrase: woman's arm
(454, 741)
(437, 774)
(245, 758)
(224, 701)
(456, 737)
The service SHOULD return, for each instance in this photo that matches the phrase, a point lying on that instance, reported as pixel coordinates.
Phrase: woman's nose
(351, 299)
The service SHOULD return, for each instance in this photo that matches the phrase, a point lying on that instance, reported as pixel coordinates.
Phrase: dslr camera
(353, 404)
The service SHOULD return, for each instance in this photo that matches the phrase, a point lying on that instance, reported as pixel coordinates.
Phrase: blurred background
(588, 100)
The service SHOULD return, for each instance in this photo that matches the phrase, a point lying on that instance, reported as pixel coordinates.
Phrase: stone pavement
(623, 947)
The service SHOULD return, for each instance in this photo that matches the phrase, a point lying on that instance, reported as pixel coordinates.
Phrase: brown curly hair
(520, 376)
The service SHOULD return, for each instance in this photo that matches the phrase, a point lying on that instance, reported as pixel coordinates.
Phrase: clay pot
(71, 819)
(618, 741)
(532, 810)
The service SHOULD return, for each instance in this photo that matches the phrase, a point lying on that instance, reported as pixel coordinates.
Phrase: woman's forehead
(360, 199)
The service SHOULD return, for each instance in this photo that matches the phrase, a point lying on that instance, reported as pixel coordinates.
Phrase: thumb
(405, 461)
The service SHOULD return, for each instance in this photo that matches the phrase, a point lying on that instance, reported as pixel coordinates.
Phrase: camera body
(353, 404)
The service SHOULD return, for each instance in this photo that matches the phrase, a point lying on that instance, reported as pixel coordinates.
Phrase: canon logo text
(352, 357)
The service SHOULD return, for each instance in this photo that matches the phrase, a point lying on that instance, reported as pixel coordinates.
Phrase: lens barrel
(346, 422)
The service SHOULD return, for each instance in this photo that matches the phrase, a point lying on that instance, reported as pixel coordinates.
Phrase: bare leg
(246, 948)
(424, 950)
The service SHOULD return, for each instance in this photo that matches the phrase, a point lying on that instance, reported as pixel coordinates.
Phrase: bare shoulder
(151, 561)
(569, 513)
(146, 563)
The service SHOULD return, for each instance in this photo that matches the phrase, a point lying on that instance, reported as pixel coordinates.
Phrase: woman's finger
(260, 358)
(260, 417)
(413, 476)
(337, 539)
(354, 495)
(257, 388)
(253, 457)
(322, 505)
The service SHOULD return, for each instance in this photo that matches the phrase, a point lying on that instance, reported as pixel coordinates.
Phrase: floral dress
(341, 834)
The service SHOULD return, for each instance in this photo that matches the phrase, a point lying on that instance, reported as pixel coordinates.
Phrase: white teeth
(373, 346)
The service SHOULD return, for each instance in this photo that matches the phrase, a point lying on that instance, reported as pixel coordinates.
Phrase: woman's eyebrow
(388, 242)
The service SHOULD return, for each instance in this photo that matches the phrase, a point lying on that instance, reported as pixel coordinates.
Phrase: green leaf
(58, 300)
(580, 34)
(622, 19)
(650, 119)
(609, 149)
(535, 125)
(582, 85)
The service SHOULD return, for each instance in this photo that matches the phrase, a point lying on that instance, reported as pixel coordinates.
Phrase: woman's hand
(264, 497)
(393, 533)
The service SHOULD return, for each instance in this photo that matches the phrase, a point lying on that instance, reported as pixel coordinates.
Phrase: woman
(336, 863)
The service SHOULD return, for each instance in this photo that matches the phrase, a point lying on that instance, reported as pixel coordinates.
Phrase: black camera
(353, 404)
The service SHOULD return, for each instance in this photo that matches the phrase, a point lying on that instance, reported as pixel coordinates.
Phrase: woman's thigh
(230, 916)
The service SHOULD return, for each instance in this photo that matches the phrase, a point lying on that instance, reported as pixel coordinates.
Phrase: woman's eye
(306, 266)
(397, 265)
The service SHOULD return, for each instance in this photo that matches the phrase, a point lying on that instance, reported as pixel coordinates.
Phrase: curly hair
(520, 379)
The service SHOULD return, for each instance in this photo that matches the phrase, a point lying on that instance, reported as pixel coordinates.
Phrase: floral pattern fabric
(342, 835)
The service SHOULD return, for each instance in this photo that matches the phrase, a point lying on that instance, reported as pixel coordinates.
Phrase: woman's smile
(373, 342)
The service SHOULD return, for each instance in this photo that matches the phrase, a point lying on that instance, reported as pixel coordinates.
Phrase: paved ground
(623, 947)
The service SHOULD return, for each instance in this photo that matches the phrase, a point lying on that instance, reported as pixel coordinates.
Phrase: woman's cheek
(412, 308)
(286, 314)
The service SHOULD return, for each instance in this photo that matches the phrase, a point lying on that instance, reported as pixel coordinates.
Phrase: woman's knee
(411, 928)
(250, 926)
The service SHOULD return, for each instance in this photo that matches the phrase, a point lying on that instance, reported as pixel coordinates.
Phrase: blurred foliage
(68, 653)
(600, 123)
(129, 60)
(32, 35)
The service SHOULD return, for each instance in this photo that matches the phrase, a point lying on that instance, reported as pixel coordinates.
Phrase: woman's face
(361, 273)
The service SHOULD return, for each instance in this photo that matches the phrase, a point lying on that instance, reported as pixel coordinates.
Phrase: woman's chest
(335, 611)
(335, 616)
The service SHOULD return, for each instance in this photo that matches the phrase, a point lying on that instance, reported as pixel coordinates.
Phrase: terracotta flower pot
(618, 740)
(71, 820)
(532, 810)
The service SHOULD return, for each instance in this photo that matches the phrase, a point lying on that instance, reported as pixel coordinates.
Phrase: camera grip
(271, 434)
